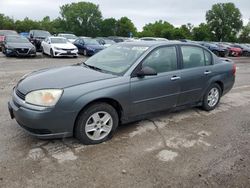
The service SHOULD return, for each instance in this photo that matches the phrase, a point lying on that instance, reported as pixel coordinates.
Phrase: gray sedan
(121, 84)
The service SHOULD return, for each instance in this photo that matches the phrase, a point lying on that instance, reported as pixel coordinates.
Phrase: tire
(85, 53)
(90, 128)
(43, 51)
(214, 93)
(51, 53)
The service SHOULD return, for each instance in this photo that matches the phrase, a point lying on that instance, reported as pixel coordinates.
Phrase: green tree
(83, 18)
(108, 27)
(245, 34)
(224, 20)
(6, 22)
(158, 29)
(26, 24)
(125, 26)
(202, 33)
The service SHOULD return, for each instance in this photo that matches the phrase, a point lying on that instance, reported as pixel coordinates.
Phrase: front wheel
(51, 53)
(96, 124)
(85, 53)
(212, 97)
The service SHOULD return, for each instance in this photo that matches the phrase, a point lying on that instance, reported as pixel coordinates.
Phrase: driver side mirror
(146, 71)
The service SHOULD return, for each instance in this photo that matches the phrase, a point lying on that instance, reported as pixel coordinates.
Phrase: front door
(159, 92)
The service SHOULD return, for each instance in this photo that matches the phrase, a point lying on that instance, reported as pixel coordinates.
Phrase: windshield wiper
(93, 67)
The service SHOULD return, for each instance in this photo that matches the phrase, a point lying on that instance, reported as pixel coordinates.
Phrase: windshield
(91, 42)
(58, 40)
(41, 34)
(8, 32)
(68, 36)
(116, 59)
(16, 39)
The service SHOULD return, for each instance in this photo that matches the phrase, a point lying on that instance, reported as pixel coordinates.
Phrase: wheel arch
(220, 83)
(114, 103)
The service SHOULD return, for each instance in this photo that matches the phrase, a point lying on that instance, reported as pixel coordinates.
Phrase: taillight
(234, 69)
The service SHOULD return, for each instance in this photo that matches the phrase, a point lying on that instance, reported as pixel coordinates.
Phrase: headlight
(57, 48)
(46, 97)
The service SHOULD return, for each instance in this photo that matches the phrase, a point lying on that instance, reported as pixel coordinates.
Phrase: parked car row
(67, 44)
(224, 49)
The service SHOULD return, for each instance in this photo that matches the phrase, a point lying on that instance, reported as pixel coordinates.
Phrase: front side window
(162, 59)
(192, 56)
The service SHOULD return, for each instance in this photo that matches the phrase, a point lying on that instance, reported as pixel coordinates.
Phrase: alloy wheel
(98, 125)
(213, 97)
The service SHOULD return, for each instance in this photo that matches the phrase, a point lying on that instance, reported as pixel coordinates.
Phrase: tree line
(223, 23)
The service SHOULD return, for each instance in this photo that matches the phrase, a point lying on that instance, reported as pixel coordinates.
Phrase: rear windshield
(41, 34)
(8, 32)
(68, 36)
(58, 40)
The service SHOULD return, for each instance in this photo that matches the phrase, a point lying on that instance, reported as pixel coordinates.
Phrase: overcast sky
(177, 12)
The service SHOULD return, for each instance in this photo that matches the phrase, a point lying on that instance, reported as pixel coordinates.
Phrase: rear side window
(208, 58)
(192, 56)
(163, 59)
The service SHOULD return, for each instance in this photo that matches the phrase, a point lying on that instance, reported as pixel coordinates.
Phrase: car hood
(65, 46)
(19, 45)
(55, 78)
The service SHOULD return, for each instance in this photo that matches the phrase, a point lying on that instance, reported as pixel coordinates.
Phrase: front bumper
(63, 53)
(43, 123)
(20, 53)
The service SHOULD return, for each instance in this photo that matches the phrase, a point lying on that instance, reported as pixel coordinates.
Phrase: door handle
(207, 72)
(175, 78)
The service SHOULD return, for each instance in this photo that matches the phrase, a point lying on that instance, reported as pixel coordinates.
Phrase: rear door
(197, 69)
(159, 92)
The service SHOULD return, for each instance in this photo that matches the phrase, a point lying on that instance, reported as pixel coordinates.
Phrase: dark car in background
(105, 41)
(116, 39)
(16, 45)
(232, 51)
(37, 36)
(88, 46)
(245, 49)
(217, 50)
(4, 33)
(123, 83)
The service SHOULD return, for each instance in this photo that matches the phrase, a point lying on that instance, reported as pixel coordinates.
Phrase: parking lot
(188, 148)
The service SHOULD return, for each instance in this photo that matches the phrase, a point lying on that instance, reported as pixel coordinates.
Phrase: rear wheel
(212, 97)
(96, 124)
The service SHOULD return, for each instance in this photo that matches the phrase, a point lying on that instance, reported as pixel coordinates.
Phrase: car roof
(156, 43)
(66, 34)
(55, 37)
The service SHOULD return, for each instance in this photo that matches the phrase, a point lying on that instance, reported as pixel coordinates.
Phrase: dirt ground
(188, 148)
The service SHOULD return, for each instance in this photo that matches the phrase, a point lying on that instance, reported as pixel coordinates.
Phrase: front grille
(68, 49)
(20, 94)
(22, 50)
